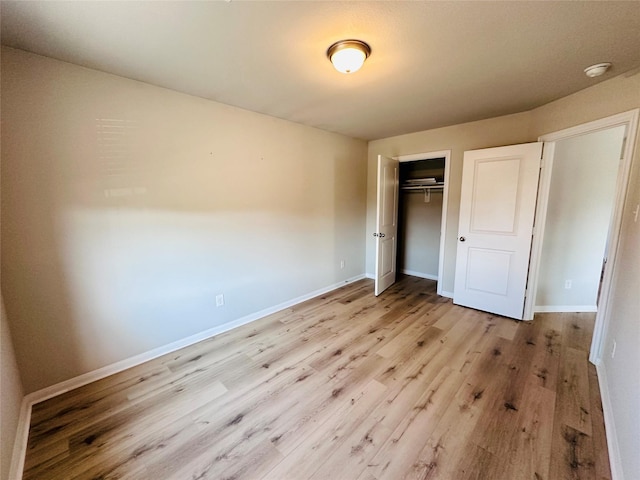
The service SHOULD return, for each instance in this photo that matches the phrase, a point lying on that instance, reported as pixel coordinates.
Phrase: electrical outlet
(341, 263)
(567, 284)
(219, 300)
(613, 349)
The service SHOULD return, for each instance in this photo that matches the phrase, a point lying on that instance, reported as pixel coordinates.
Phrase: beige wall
(617, 95)
(457, 138)
(115, 244)
(419, 232)
(581, 200)
(10, 396)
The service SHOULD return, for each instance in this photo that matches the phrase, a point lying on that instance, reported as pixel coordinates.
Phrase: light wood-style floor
(344, 386)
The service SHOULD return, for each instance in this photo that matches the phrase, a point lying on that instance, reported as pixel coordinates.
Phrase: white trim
(20, 443)
(630, 119)
(539, 225)
(564, 308)
(615, 460)
(423, 156)
(443, 222)
(605, 123)
(413, 273)
(107, 370)
(446, 294)
(446, 154)
(370, 275)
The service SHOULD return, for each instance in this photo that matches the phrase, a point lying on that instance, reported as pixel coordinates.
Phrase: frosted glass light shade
(347, 56)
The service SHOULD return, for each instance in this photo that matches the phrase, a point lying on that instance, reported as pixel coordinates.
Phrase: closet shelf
(431, 186)
(426, 188)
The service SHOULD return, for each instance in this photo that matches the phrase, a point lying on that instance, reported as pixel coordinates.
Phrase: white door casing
(386, 223)
(497, 208)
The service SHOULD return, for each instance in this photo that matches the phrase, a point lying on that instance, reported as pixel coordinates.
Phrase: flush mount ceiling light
(597, 69)
(348, 56)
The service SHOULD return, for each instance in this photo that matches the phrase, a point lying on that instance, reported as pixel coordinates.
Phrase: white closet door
(386, 223)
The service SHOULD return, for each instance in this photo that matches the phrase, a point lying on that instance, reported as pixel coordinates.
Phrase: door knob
(381, 235)
(462, 239)
(375, 234)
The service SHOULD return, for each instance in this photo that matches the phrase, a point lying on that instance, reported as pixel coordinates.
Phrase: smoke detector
(597, 69)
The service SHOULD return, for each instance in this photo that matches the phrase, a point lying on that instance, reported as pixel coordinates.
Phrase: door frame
(446, 154)
(630, 120)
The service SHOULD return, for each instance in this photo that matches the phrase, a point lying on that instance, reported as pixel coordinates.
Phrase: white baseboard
(370, 275)
(85, 378)
(564, 308)
(444, 293)
(610, 428)
(413, 273)
(22, 435)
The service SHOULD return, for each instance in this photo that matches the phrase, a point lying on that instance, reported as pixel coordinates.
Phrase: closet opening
(422, 204)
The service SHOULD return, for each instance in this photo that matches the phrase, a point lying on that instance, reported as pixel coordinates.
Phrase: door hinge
(624, 144)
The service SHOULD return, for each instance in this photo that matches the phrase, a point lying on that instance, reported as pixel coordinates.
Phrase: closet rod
(422, 187)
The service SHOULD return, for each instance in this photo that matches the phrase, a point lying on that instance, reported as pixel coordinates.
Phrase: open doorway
(578, 222)
(629, 122)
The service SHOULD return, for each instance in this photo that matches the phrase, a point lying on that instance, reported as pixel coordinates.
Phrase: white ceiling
(432, 63)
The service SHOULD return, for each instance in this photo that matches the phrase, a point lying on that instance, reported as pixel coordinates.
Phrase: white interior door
(386, 223)
(497, 208)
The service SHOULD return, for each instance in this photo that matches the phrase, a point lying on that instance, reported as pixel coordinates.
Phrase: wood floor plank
(573, 455)
(476, 464)
(405, 443)
(230, 427)
(447, 444)
(346, 385)
(577, 331)
(545, 336)
(356, 451)
(319, 444)
(91, 410)
(530, 438)
(574, 398)
(323, 408)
